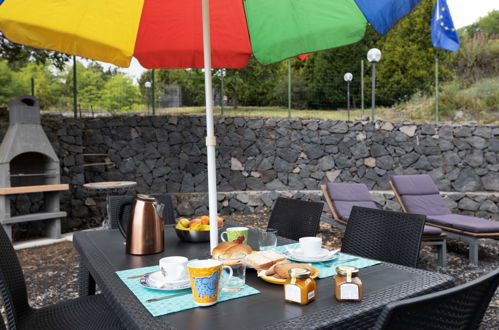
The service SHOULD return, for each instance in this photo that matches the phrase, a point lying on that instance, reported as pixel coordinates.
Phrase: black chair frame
(293, 218)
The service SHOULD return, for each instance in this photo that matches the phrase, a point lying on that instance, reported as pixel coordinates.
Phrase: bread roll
(282, 270)
(271, 270)
(230, 248)
(245, 248)
(221, 248)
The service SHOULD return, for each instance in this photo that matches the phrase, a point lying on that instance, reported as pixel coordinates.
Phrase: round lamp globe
(374, 55)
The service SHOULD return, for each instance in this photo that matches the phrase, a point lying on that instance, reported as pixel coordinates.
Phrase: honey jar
(348, 286)
(300, 288)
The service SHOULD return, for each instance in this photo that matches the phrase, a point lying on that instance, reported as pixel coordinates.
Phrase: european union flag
(443, 32)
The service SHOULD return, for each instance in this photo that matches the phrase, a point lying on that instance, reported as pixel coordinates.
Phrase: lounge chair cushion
(420, 194)
(425, 204)
(419, 184)
(465, 223)
(430, 230)
(343, 208)
(347, 195)
(349, 192)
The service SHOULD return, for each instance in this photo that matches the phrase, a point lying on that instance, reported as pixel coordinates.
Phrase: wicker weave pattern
(111, 283)
(347, 315)
(295, 218)
(116, 202)
(459, 308)
(12, 285)
(89, 312)
(384, 235)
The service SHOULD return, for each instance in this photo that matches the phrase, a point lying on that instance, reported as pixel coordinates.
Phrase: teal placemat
(168, 306)
(328, 269)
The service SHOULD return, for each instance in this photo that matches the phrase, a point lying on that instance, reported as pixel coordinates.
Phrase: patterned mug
(205, 280)
(235, 234)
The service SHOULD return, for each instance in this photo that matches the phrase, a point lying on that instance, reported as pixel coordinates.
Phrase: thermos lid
(146, 198)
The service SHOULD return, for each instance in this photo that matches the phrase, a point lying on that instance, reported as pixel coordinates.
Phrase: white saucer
(154, 281)
(322, 256)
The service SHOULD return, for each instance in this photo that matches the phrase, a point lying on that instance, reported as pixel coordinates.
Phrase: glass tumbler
(267, 240)
(236, 262)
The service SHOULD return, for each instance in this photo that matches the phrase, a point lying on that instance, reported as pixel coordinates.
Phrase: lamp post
(147, 85)
(348, 78)
(153, 98)
(373, 56)
(221, 75)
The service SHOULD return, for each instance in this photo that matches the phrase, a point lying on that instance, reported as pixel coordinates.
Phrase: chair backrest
(295, 218)
(384, 235)
(344, 196)
(419, 194)
(459, 308)
(116, 203)
(12, 284)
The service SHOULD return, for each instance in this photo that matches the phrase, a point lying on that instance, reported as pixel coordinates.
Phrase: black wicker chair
(384, 235)
(295, 218)
(458, 308)
(90, 312)
(117, 202)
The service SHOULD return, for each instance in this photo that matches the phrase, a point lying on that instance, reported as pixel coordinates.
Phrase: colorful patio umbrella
(195, 34)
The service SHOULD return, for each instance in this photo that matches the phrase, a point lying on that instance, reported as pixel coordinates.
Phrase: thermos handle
(120, 216)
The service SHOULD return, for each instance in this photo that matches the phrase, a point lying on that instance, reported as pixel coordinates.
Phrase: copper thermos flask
(145, 234)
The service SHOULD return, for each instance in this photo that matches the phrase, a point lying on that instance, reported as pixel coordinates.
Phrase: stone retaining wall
(167, 154)
(481, 204)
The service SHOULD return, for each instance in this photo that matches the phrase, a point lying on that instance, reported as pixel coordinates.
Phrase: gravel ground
(51, 272)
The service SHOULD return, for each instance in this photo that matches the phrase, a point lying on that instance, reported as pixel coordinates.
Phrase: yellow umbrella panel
(103, 30)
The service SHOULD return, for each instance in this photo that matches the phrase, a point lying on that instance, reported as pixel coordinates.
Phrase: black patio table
(103, 253)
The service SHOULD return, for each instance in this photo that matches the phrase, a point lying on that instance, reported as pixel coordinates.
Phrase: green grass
(479, 102)
(268, 112)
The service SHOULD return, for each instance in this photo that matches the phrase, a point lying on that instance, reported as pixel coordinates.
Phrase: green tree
(490, 23)
(49, 84)
(191, 82)
(90, 84)
(11, 85)
(18, 55)
(324, 72)
(119, 94)
(408, 58)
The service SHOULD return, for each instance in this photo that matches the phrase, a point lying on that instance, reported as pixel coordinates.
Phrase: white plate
(324, 255)
(154, 280)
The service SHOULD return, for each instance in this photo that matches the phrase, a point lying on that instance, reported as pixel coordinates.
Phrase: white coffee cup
(310, 246)
(173, 268)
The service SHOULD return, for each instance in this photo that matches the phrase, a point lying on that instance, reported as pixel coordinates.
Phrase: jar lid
(342, 270)
(299, 272)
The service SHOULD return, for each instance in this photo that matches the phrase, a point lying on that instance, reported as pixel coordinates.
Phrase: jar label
(349, 291)
(311, 294)
(292, 293)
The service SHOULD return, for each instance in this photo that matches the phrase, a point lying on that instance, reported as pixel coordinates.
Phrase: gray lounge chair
(419, 194)
(341, 197)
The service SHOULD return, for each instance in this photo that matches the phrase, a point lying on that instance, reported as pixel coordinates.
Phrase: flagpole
(436, 87)
(289, 88)
(362, 86)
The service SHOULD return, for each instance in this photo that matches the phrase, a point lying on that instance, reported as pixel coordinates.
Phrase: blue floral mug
(205, 280)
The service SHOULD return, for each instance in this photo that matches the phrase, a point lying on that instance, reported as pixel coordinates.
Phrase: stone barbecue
(29, 164)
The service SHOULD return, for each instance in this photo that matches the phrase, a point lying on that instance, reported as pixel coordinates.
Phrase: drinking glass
(267, 240)
(234, 261)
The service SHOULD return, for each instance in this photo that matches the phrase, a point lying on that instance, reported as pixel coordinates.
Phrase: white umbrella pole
(210, 130)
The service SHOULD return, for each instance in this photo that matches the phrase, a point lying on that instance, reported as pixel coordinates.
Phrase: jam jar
(348, 286)
(299, 287)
